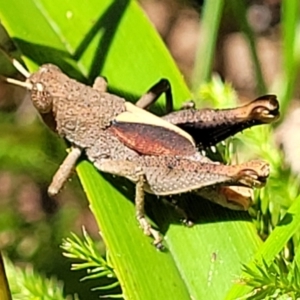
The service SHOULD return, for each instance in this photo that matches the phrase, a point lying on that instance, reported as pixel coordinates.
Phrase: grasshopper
(157, 155)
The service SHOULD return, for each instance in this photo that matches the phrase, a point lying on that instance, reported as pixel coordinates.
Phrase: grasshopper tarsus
(159, 245)
(150, 231)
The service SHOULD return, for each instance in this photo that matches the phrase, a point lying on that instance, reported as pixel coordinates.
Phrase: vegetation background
(254, 46)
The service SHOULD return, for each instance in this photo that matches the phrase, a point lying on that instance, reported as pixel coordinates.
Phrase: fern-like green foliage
(86, 252)
(25, 284)
(279, 280)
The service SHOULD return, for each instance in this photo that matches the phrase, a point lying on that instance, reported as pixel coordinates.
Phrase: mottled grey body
(84, 115)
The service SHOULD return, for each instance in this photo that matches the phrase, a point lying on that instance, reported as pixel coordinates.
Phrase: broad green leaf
(115, 39)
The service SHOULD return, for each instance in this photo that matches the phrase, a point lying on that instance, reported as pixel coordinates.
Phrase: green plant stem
(239, 13)
(211, 16)
(291, 53)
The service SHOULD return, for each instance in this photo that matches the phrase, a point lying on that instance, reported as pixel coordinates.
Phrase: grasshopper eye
(41, 99)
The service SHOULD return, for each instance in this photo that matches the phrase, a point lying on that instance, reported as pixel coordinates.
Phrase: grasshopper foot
(149, 231)
(264, 109)
(254, 173)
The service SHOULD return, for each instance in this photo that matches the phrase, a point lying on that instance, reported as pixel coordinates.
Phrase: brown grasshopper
(126, 140)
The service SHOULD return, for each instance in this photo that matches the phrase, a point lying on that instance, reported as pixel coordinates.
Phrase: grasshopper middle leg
(133, 172)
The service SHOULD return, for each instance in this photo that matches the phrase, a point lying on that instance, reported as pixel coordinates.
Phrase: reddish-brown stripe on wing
(152, 140)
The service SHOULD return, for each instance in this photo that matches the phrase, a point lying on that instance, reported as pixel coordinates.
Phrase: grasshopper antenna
(19, 68)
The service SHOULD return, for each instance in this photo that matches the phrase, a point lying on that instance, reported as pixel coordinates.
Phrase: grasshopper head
(40, 82)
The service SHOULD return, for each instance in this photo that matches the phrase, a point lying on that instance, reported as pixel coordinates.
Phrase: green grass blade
(239, 13)
(291, 53)
(211, 17)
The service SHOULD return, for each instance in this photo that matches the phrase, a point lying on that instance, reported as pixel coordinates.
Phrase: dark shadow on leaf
(287, 219)
(199, 210)
(41, 54)
(108, 22)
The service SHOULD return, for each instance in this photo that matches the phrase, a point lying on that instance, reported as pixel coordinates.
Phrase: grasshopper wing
(151, 139)
(150, 135)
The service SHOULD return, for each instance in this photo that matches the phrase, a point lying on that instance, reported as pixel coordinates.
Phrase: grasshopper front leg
(64, 171)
